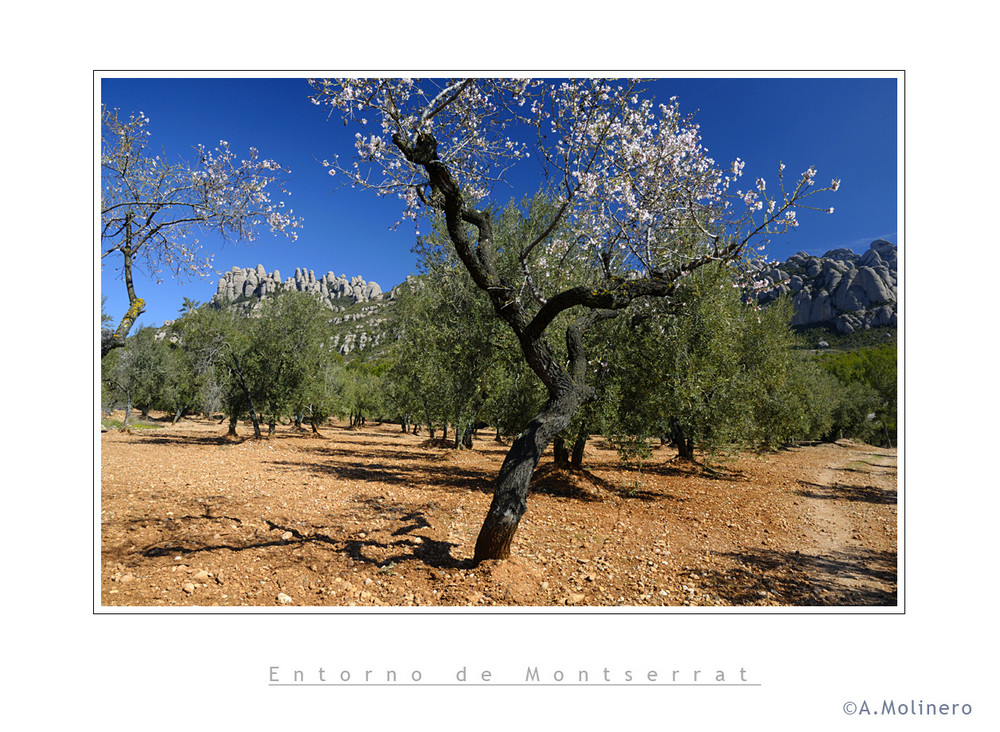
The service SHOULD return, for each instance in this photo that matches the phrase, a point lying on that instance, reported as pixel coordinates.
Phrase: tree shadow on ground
(548, 479)
(407, 455)
(448, 477)
(869, 467)
(193, 440)
(710, 466)
(854, 577)
(431, 552)
(561, 482)
(678, 467)
(840, 491)
(581, 484)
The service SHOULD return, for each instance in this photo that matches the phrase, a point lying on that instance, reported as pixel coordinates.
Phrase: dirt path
(846, 502)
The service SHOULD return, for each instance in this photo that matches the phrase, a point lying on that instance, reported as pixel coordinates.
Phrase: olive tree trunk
(237, 370)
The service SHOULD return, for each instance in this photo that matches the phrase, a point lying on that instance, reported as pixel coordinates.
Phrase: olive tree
(288, 337)
(138, 372)
(640, 206)
(452, 360)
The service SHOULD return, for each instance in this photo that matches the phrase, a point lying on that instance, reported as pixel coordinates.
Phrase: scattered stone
(202, 576)
(286, 536)
(188, 587)
(284, 599)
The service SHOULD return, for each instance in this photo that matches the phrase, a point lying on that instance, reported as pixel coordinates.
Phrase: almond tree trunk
(510, 491)
(136, 305)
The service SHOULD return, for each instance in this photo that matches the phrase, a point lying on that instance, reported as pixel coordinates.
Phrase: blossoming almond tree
(640, 205)
(150, 206)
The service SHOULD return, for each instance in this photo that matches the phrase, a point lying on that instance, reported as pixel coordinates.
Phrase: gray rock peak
(852, 291)
(256, 282)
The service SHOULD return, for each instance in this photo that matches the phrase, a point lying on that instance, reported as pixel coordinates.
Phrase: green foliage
(136, 374)
(705, 370)
(181, 382)
(208, 336)
(875, 366)
(866, 403)
(361, 395)
(453, 361)
(114, 424)
(808, 399)
(323, 394)
(288, 348)
(275, 361)
(188, 306)
(106, 320)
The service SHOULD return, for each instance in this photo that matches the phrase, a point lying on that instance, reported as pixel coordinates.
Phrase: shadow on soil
(447, 477)
(580, 484)
(839, 491)
(192, 440)
(838, 578)
(427, 551)
(548, 479)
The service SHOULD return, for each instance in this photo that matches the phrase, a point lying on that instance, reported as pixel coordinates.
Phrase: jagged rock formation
(357, 303)
(850, 291)
(245, 283)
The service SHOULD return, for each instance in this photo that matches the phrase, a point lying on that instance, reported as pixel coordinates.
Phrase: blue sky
(846, 127)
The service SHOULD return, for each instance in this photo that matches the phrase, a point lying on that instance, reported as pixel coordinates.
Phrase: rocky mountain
(842, 289)
(245, 283)
(846, 290)
(356, 305)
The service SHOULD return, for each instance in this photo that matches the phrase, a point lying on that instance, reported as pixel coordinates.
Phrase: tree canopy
(151, 206)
